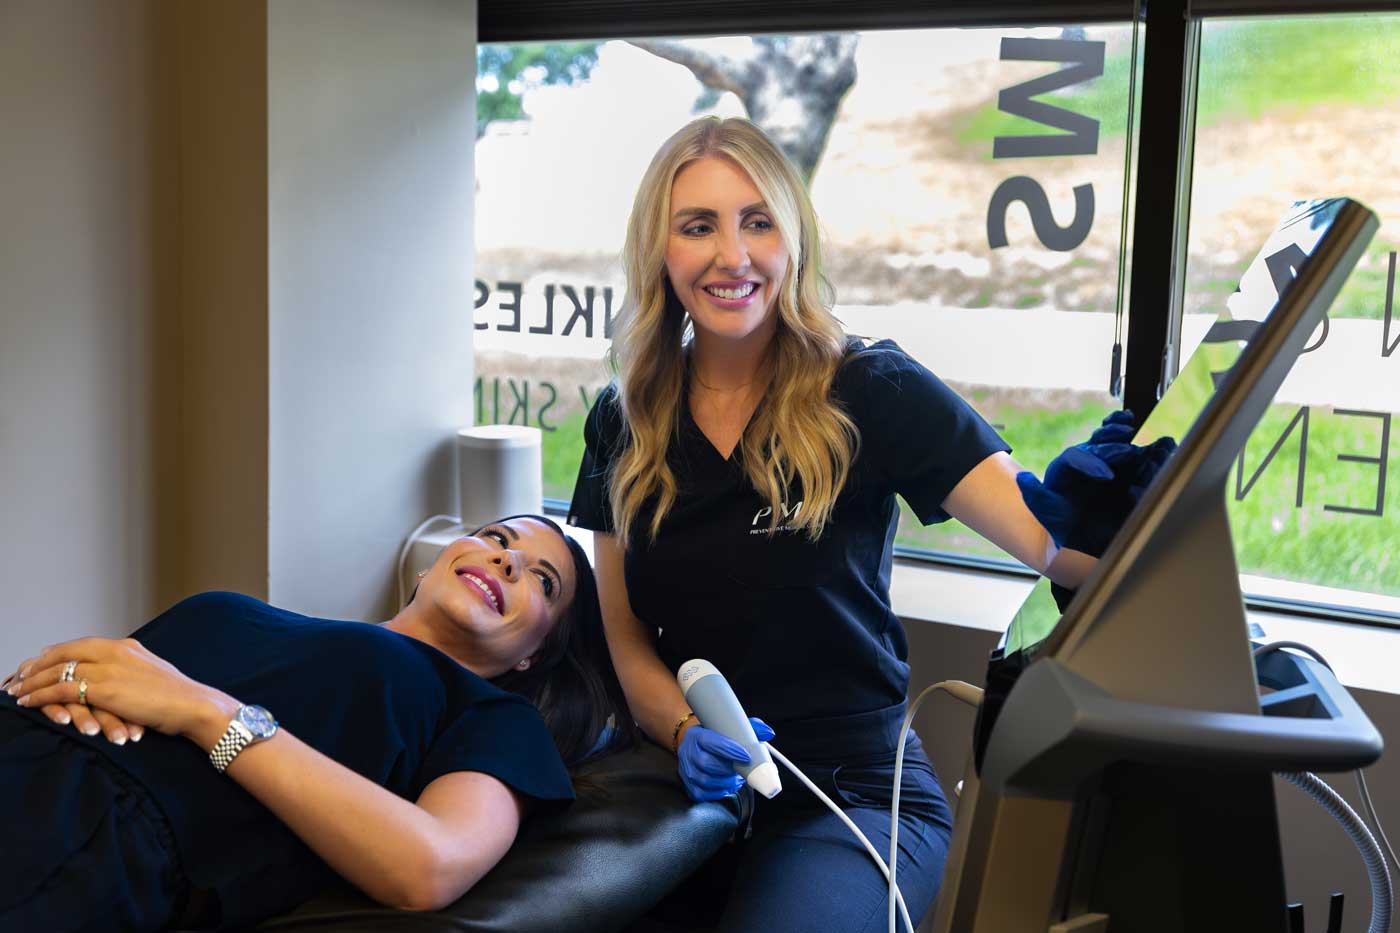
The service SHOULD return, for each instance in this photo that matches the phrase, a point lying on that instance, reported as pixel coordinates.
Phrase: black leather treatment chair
(600, 865)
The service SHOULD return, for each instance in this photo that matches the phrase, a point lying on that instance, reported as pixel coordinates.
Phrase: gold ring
(82, 691)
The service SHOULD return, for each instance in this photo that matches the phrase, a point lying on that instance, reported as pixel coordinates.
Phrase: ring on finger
(68, 670)
(82, 691)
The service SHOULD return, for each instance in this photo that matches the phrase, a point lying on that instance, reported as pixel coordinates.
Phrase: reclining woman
(406, 757)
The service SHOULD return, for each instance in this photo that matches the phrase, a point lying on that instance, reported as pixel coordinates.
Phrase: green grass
(561, 452)
(1251, 67)
(1273, 538)
(1220, 288)
(1314, 544)
(1248, 68)
(1363, 295)
(1036, 436)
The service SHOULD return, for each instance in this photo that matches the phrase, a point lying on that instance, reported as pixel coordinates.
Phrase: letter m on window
(1081, 133)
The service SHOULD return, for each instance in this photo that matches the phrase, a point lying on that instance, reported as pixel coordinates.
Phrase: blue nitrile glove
(1117, 428)
(707, 758)
(1090, 488)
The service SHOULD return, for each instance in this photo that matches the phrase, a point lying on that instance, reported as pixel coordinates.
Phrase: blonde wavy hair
(799, 438)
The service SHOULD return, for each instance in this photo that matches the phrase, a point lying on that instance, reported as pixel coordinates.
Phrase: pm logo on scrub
(767, 510)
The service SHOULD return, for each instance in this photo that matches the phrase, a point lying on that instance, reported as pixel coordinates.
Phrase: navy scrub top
(801, 630)
(387, 706)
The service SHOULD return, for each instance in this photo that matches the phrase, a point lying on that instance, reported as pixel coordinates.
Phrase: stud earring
(524, 665)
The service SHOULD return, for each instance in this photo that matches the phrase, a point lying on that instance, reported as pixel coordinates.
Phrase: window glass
(1289, 109)
(969, 183)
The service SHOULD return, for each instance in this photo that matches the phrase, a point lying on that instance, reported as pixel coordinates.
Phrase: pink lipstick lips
(484, 585)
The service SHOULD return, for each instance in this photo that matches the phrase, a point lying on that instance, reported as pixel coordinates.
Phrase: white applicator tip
(764, 780)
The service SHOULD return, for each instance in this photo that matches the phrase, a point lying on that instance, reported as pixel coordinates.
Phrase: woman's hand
(706, 760)
(1090, 488)
(88, 720)
(128, 688)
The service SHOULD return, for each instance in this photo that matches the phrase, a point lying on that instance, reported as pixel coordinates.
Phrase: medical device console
(1124, 757)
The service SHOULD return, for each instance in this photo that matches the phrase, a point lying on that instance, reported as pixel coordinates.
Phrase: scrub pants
(84, 847)
(800, 869)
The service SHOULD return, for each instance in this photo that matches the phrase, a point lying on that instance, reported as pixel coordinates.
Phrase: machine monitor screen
(1265, 281)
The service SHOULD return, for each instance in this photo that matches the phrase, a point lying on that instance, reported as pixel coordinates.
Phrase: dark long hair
(571, 680)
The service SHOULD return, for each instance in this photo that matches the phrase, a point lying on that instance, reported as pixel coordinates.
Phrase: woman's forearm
(989, 501)
(388, 847)
(652, 693)
(1070, 568)
(653, 696)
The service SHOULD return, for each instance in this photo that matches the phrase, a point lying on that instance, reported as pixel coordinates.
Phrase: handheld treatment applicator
(717, 708)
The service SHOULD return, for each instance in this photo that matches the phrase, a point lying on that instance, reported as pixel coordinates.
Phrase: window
(1295, 108)
(970, 187)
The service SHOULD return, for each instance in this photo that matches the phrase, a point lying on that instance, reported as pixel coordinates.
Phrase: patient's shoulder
(216, 604)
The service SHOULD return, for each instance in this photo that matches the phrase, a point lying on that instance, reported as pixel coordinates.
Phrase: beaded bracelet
(676, 732)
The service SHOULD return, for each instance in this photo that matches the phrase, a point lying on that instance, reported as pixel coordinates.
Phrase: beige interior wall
(214, 455)
(140, 191)
(372, 133)
(133, 309)
(86, 152)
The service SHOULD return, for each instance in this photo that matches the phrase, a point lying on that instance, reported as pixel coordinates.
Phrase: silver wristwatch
(250, 724)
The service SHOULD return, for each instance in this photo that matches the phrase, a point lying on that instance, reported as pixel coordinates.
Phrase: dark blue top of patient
(391, 708)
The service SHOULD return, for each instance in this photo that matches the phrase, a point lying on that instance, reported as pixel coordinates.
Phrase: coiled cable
(1333, 803)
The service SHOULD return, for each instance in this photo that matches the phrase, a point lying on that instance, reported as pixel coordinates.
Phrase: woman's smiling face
(504, 587)
(724, 256)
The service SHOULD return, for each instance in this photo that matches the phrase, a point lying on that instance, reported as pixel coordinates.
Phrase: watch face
(258, 720)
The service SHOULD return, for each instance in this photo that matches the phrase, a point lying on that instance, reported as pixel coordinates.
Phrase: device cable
(1333, 803)
(1367, 804)
(963, 691)
(1382, 894)
(1370, 808)
(408, 544)
(886, 870)
(1296, 646)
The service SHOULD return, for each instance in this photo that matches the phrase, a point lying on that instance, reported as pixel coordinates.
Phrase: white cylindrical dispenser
(498, 472)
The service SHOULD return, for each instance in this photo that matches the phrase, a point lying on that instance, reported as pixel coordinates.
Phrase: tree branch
(710, 70)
